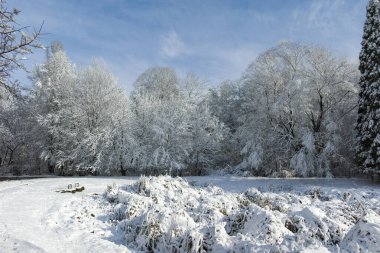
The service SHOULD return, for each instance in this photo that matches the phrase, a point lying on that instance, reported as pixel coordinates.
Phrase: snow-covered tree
(205, 131)
(84, 117)
(172, 124)
(368, 123)
(225, 103)
(16, 122)
(331, 92)
(19, 140)
(53, 94)
(101, 118)
(294, 101)
(271, 99)
(159, 125)
(158, 83)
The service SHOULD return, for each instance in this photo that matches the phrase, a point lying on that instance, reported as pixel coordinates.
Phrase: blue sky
(214, 39)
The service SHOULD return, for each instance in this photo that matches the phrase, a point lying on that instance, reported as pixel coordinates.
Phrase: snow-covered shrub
(164, 214)
(364, 236)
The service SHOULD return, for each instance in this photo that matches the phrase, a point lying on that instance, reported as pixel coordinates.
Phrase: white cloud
(172, 46)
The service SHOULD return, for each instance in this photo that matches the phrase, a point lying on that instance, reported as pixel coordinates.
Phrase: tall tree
(205, 133)
(159, 125)
(295, 100)
(368, 123)
(101, 117)
(53, 93)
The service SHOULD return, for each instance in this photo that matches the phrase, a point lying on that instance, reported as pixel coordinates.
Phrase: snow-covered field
(163, 214)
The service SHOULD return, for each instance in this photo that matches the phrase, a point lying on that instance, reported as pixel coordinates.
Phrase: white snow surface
(194, 214)
(35, 218)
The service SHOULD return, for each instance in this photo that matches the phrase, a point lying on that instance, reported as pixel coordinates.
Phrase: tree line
(292, 112)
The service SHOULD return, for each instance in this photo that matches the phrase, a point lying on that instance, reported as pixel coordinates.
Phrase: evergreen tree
(368, 123)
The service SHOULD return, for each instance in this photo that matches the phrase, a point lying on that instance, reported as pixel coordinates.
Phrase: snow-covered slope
(244, 214)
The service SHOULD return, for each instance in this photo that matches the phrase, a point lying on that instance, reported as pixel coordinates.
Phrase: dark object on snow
(72, 190)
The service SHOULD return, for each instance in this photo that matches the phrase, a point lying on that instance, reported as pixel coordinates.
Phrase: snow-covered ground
(269, 214)
(35, 218)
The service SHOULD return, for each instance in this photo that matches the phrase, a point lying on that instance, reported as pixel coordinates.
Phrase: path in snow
(25, 206)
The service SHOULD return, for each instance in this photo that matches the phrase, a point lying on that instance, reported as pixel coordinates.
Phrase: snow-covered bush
(164, 214)
(364, 236)
(168, 215)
